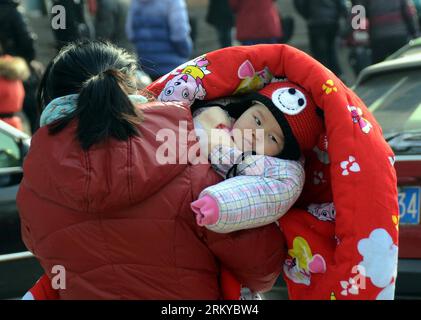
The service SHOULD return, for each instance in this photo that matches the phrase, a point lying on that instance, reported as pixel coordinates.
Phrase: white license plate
(409, 205)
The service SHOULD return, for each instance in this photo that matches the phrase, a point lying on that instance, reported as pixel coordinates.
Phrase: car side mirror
(12, 153)
(23, 149)
(10, 176)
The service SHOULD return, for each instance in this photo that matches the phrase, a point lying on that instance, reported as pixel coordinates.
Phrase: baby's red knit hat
(293, 107)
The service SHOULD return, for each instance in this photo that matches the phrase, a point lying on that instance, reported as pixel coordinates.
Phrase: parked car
(392, 92)
(21, 268)
(412, 48)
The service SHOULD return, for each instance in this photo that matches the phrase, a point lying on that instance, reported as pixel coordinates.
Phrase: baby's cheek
(272, 149)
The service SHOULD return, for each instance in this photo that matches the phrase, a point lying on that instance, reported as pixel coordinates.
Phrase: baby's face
(271, 140)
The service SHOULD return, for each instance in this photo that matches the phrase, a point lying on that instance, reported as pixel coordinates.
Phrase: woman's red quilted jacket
(121, 225)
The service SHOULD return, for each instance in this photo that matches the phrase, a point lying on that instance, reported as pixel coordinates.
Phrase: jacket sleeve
(254, 257)
(264, 191)
(180, 28)
(224, 158)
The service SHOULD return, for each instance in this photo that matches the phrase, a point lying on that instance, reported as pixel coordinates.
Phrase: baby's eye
(258, 122)
(273, 138)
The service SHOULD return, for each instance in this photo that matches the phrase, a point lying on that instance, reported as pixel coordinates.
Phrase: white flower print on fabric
(318, 178)
(338, 241)
(380, 257)
(355, 283)
(350, 287)
(350, 166)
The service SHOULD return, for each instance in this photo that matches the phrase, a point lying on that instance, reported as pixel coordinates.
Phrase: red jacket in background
(12, 94)
(121, 225)
(13, 71)
(256, 19)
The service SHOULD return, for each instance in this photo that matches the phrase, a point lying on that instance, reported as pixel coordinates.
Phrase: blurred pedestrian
(160, 31)
(77, 26)
(220, 16)
(13, 70)
(417, 4)
(16, 39)
(323, 23)
(257, 21)
(358, 41)
(110, 21)
(393, 24)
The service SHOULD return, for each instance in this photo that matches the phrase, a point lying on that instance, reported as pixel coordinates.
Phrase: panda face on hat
(290, 101)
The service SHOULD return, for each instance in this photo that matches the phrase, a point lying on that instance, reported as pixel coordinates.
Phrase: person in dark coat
(393, 24)
(417, 4)
(17, 39)
(323, 22)
(220, 16)
(77, 26)
(110, 22)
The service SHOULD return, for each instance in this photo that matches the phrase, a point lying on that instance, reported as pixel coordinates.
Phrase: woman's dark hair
(103, 76)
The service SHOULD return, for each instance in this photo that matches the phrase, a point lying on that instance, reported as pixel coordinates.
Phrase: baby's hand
(212, 117)
(206, 210)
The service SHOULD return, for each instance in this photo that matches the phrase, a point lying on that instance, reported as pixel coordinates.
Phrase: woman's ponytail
(105, 110)
(103, 75)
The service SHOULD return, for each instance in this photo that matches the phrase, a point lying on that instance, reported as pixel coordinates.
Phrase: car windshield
(394, 99)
